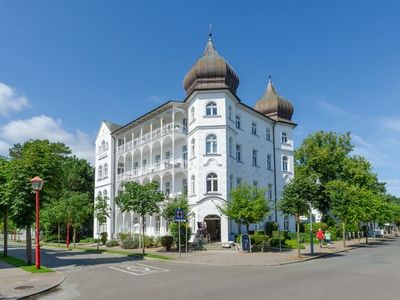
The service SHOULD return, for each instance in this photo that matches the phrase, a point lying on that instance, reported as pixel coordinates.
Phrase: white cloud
(44, 127)
(371, 151)
(10, 100)
(392, 123)
(333, 109)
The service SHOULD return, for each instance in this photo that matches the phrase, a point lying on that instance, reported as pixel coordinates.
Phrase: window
(120, 169)
(238, 181)
(158, 224)
(168, 187)
(231, 182)
(255, 183)
(193, 144)
(211, 144)
(184, 125)
(192, 114)
(212, 183)
(238, 152)
(230, 147)
(105, 171)
(103, 146)
(184, 186)
(237, 123)
(254, 158)
(270, 192)
(211, 109)
(230, 112)
(100, 173)
(167, 155)
(284, 163)
(269, 162)
(268, 134)
(158, 160)
(286, 223)
(105, 194)
(253, 128)
(144, 163)
(284, 138)
(184, 156)
(193, 185)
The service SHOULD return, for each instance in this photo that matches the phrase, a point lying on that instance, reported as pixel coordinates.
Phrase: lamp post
(317, 182)
(37, 184)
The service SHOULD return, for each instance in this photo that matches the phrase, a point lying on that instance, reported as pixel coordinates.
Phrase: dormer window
(211, 109)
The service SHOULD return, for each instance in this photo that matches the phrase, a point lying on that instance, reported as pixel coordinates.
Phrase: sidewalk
(16, 283)
(271, 258)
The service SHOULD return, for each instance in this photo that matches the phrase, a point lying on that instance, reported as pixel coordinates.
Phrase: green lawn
(14, 261)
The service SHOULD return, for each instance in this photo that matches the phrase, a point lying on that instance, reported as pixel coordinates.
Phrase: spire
(210, 33)
(270, 86)
(210, 49)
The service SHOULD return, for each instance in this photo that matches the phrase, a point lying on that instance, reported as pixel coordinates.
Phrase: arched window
(192, 114)
(103, 146)
(284, 137)
(212, 183)
(105, 170)
(193, 185)
(100, 174)
(284, 163)
(105, 194)
(211, 109)
(230, 147)
(193, 146)
(211, 144)
(99, 194)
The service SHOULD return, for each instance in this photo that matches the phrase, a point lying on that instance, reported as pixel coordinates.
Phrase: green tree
(33, 158)
(101, 212)
(78, 208)
(248, 205)
(173, 204)
(141, 199)
(298, 196)
(4, 202)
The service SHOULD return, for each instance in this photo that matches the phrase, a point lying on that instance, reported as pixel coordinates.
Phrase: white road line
(152, 267)
(147, 270)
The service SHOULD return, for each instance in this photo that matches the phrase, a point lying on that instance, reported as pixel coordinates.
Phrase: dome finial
(210, 33)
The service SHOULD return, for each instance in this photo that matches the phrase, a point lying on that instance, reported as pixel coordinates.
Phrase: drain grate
(24, 287)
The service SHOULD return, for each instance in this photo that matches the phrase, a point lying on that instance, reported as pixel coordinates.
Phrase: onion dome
(210, 71)
(273, 105)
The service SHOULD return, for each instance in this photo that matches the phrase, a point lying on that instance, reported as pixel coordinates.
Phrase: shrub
(123, 236)
(112, 243)
(274, 242)
(283, 234)
(130, 243)
(103, 237)
(174, 229)
(52, 238)
(88, 240)
(167, 241)
(292, 244)
(259, 242)
(270, 227)
(148, 241)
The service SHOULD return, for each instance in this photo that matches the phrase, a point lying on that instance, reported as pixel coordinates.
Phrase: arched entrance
(213, 227)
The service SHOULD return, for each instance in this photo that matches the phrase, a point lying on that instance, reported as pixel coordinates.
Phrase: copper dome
(273, 105)
(210, 71)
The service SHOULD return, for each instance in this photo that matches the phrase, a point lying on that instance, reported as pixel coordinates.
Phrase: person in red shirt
(320, 237)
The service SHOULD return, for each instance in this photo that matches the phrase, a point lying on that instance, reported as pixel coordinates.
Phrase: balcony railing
(167, 164)
(155, 134)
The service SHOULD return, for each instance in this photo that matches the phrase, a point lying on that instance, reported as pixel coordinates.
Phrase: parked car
(377, 232)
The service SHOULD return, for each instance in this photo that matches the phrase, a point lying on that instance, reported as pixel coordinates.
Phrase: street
(365, 273)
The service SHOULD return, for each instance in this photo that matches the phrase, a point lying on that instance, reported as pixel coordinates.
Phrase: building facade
(203, 146)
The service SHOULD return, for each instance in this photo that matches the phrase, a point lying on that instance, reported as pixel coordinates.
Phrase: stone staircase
(217, 246)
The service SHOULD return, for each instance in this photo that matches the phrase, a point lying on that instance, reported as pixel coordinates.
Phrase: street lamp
(317, 182)
(37, 184)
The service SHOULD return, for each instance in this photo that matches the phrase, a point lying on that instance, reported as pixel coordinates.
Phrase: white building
(205, 145)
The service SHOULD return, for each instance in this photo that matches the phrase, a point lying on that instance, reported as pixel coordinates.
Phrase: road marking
(139, 269)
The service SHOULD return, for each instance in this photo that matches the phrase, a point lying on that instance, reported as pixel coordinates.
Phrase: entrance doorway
(213, 227)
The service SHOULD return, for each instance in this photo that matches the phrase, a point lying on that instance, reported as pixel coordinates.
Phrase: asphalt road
(365, 273)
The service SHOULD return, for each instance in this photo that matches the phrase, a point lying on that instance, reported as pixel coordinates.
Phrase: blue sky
(67, 65)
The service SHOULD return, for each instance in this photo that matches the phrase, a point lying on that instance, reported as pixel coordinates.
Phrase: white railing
(164, 165)
(155, 134)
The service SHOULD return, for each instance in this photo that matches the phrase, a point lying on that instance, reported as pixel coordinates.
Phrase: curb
(321, 255)
(42, 291)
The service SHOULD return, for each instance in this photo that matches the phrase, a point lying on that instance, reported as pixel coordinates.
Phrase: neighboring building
(204, 146)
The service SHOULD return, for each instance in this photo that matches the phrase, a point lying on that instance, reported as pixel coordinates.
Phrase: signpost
(179, 217)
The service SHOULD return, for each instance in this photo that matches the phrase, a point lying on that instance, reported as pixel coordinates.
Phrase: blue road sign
(179, 215)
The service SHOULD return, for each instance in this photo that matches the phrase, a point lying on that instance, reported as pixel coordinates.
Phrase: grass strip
(14, 261)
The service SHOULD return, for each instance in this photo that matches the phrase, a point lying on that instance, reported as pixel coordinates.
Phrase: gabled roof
(111, 125)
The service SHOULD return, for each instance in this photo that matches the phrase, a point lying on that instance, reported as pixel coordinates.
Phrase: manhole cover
(24, 287)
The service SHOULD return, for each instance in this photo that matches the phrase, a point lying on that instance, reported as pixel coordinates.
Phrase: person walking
(320, 237)
(328, 238)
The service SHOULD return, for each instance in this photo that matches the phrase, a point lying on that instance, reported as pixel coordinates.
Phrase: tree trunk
(58, 233)
(74, 236)
(344, 235)
(239, 228)
(298, 238)
(5, 219)
(98, 236)
(28, 244)
(143, 250)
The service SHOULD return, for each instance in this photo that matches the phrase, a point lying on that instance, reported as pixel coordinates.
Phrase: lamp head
(37, 183)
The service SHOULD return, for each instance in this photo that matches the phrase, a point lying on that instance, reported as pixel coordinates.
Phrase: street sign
(179, 215)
